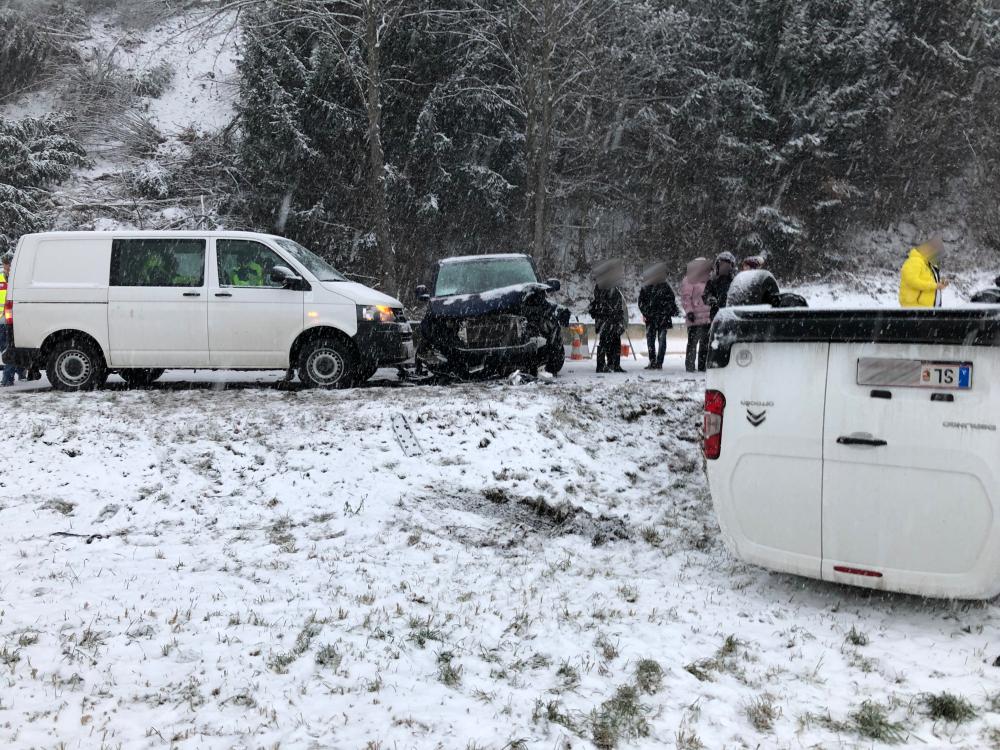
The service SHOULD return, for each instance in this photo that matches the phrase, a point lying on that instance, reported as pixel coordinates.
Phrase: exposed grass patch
(870, 720)
(856, 638)
(761, 712)
(448, 673)
(329, 656)
(554, 712)
(280, 662)
(569, 676)
(948, 707)
(722, 661)
(648, 675)
(621, 717)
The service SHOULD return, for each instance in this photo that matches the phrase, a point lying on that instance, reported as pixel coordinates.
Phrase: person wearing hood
(717, 287)
(610, 314)
(920, 282)
(752, 263)
(658, 306)
(697, 312)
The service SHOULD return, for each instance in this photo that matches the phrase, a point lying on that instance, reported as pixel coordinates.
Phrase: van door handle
(861, 439)
(223, 294)
(192, 294)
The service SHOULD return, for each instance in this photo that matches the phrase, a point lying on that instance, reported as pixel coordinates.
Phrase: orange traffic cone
(576, 352)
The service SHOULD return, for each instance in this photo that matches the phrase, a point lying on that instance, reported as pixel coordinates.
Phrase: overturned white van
(83, 304)
(860, 446)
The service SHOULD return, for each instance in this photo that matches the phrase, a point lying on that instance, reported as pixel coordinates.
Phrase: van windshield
(477, 276)
(313, 263)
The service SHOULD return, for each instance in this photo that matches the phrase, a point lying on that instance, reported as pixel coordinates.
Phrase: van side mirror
(281, 274)
(554, 285)
(421, 292)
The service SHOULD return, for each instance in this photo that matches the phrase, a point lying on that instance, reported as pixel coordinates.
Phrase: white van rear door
(157, 303)
(767, 481)
(910, 469)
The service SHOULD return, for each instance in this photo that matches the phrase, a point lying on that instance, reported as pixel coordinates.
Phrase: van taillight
(715, 405)
(8, 312)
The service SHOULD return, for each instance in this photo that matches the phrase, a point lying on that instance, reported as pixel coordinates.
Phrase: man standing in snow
(920, 282)
(717, 288)
(610, 315)
(658, 306)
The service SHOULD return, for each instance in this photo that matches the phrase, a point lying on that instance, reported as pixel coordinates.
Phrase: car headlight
(376, 313)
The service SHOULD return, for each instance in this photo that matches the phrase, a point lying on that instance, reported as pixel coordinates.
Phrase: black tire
(556, 359)
(327, 363)
(139, 377)
(365, 373)
(76, 365)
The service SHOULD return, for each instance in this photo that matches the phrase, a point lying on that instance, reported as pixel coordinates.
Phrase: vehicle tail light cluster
(715, 406)
(8, 312)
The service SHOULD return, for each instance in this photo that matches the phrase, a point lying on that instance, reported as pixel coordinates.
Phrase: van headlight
(376, 313)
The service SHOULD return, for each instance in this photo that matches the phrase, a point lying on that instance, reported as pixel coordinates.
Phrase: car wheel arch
(66, 334)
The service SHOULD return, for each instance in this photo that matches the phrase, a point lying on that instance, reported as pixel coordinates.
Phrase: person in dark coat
(658, 306)
(717, 288)
(610, 315)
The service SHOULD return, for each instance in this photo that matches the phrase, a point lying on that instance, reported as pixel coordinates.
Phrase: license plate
(946, 375)
(915, 373)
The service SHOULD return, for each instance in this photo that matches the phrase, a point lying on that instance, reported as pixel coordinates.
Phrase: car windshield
(313, 263)
(476, 276)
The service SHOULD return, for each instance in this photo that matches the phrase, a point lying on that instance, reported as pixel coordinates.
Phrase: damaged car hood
(508, 299)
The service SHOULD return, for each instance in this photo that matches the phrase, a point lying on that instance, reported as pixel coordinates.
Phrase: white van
(859, 446)
(83, 304)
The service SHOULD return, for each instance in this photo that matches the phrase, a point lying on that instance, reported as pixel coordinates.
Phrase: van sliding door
(157, 309)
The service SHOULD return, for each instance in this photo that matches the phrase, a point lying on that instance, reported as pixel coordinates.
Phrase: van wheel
(138, 377)
(75, 365)
(327, 363)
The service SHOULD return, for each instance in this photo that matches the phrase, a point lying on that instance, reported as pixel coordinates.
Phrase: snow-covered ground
(248, 566)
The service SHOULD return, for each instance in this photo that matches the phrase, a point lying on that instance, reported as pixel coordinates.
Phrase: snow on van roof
(491, 256)
(151, 233)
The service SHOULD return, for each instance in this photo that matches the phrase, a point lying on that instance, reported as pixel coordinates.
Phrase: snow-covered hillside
(215, 567)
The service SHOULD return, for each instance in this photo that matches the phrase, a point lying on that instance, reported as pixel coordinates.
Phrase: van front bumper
(384, 343)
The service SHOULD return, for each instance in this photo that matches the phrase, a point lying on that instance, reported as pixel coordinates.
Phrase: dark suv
(490, 315)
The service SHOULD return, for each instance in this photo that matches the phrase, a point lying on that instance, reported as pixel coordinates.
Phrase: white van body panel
(922, 508)
(780, 478)
(61, 281)
(888, 486)
(61, 270)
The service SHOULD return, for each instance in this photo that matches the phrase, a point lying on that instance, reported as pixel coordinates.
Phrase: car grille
(493, 332)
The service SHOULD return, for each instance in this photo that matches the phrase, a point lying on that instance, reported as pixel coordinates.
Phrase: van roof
(151, 233)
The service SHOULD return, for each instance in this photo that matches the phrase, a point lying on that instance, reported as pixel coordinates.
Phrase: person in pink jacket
(699, 315)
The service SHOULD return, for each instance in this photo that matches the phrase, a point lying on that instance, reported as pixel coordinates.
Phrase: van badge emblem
(744, 357)
(756, 418)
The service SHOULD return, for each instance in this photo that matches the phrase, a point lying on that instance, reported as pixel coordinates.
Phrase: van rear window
(158, 262)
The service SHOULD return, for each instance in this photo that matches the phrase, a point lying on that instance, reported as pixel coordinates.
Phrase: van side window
(245, 263)
(157, 262)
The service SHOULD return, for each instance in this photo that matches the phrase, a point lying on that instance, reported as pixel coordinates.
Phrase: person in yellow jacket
(920, 282)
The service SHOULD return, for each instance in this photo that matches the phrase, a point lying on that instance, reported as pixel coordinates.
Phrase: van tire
(139, 377)
(75, 364)
(327, 363)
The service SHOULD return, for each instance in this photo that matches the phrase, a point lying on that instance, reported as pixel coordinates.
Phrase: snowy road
(254, 567)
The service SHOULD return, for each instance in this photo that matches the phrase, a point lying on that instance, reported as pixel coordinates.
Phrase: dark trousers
(697, 348)
(8, 370)
(656, 343)
(609, 348)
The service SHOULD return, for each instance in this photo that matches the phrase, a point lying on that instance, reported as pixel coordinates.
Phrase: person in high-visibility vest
(249, 274)
(9, 371)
